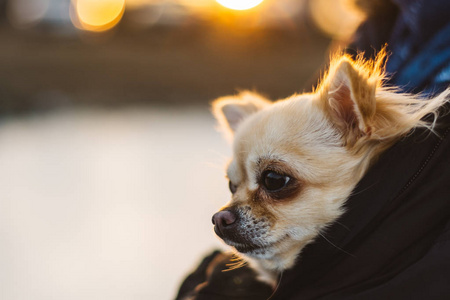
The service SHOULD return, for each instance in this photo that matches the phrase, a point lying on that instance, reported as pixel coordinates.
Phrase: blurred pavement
(110, 205)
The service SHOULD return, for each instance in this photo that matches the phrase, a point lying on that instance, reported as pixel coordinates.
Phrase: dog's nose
(224, 223)
(224, 218)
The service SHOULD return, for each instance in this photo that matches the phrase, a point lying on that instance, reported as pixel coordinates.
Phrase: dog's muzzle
(227, 225)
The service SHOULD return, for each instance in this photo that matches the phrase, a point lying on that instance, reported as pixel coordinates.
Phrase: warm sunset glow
(239, 4)
(99, 15)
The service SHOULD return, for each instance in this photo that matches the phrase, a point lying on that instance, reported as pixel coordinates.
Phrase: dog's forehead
(287, 126)
(293, 131)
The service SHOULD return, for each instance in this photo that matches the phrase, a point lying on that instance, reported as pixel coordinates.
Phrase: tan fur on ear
(230, 111)
(362, 109)
(348, 93)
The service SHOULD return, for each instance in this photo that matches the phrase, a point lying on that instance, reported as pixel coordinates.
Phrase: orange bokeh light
(98, 15)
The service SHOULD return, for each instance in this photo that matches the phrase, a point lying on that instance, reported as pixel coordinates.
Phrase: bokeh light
(137, 3)
(25, 13)
(98, 15)
(336, 18)
(239, 4)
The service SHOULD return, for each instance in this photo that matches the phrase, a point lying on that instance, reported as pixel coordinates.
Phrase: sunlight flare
(239, 4)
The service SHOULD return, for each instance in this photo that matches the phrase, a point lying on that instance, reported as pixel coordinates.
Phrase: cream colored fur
(324, 141)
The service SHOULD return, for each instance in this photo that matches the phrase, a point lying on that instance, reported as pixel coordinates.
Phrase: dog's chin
(266, 251)
(250, 249)
(254, 251)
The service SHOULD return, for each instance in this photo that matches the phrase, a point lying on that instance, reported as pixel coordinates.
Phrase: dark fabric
(393, 242)
(211, 282)
(197, 277)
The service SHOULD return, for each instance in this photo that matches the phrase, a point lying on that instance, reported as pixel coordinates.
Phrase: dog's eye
(273, 181)
(232, 187)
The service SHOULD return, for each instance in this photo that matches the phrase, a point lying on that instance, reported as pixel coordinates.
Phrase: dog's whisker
(334, 245)
(236, 257)
(212, 165)
(278, 285)
(364, 190)
(218, 154)
(345, 226)
(238, 262)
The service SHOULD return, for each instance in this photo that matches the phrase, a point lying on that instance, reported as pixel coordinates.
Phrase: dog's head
(296, 161)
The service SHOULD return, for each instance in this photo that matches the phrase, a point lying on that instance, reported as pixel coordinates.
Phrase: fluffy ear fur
(362, 109)
(349, 97)
(230, 111)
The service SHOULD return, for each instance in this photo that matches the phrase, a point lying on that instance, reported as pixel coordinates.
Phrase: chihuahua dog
(297, 160)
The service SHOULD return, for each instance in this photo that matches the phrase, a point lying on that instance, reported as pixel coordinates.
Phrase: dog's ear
(232, 110)
(349, 98)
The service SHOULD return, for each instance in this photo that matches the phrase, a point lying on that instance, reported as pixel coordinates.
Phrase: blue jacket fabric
(417, 33)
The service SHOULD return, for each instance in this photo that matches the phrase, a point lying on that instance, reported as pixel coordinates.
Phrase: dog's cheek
(301, 233)
(253, 226)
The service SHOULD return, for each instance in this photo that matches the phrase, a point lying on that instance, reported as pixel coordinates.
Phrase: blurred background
(110, 164)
